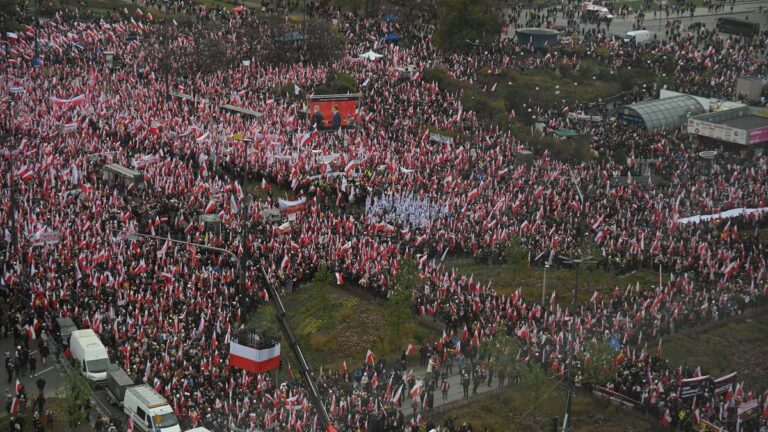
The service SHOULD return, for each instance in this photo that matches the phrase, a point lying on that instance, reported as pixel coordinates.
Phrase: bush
(337, 83)
(484, 106)
(323, 276)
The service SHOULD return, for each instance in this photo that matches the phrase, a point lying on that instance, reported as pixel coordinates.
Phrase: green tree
(461, 24)
(322, 282)
(534, 383)
(398, 309)
(598, 366)
(75, 393)
(407, 280)
(504, 350)
(408, 277)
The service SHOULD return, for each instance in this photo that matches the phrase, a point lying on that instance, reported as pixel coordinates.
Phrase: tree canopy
(464, 24)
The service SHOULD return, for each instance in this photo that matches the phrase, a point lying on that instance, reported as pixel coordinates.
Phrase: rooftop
(747, 122)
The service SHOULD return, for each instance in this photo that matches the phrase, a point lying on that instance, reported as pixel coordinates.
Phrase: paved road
(742, 10)
(52, 373)
(455, 393)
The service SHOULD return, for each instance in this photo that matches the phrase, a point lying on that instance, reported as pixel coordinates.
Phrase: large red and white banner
(77, 100)
(290, 207)
(252, 359)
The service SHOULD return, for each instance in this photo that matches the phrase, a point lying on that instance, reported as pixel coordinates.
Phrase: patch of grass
(335, 324)
(739, 345)
(516, 273)
(506, 413)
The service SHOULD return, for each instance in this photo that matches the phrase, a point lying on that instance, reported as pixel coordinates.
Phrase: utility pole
(577, 262)
(36, 58)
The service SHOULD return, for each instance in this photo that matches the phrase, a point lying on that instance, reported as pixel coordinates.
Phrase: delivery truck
(89, 355)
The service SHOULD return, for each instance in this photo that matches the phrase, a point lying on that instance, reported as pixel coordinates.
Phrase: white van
(639, 37)
(149, 409)
(198, 429)
(89, 355)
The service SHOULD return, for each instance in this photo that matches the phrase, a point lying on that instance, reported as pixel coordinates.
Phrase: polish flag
(19, 386)
(284, 228)
(141, 268)
(210, 208)
(472, 195)
(410, 350)
(595, 297)
(25, 173)
(12, 36)
(254, 360)
(370, 357)
(306, 138)
(286, 264)
(350, 166)
(75, 101)
(339, 279)
(396, 397)
(288, 207)
(375, 380)
(417, 388)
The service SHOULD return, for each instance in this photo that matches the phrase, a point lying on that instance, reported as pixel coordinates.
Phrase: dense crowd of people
(166, 312)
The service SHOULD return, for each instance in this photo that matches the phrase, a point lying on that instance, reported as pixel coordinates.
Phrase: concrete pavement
(455, 393)
(52, 373)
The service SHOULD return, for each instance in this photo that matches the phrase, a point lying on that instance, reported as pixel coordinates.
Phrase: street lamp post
(36, 58)
(577, 262)
(184, 242)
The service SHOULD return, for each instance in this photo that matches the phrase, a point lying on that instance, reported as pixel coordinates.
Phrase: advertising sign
(759, 135)
(717, 131)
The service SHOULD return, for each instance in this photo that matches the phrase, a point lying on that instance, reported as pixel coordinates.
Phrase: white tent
(370, 55)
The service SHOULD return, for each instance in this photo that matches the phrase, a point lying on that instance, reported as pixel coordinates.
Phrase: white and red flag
(292, 206)
(252, 359)
(66, 103)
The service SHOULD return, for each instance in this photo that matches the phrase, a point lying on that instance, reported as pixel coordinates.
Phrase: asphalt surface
(53, 373)
(620, 26)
